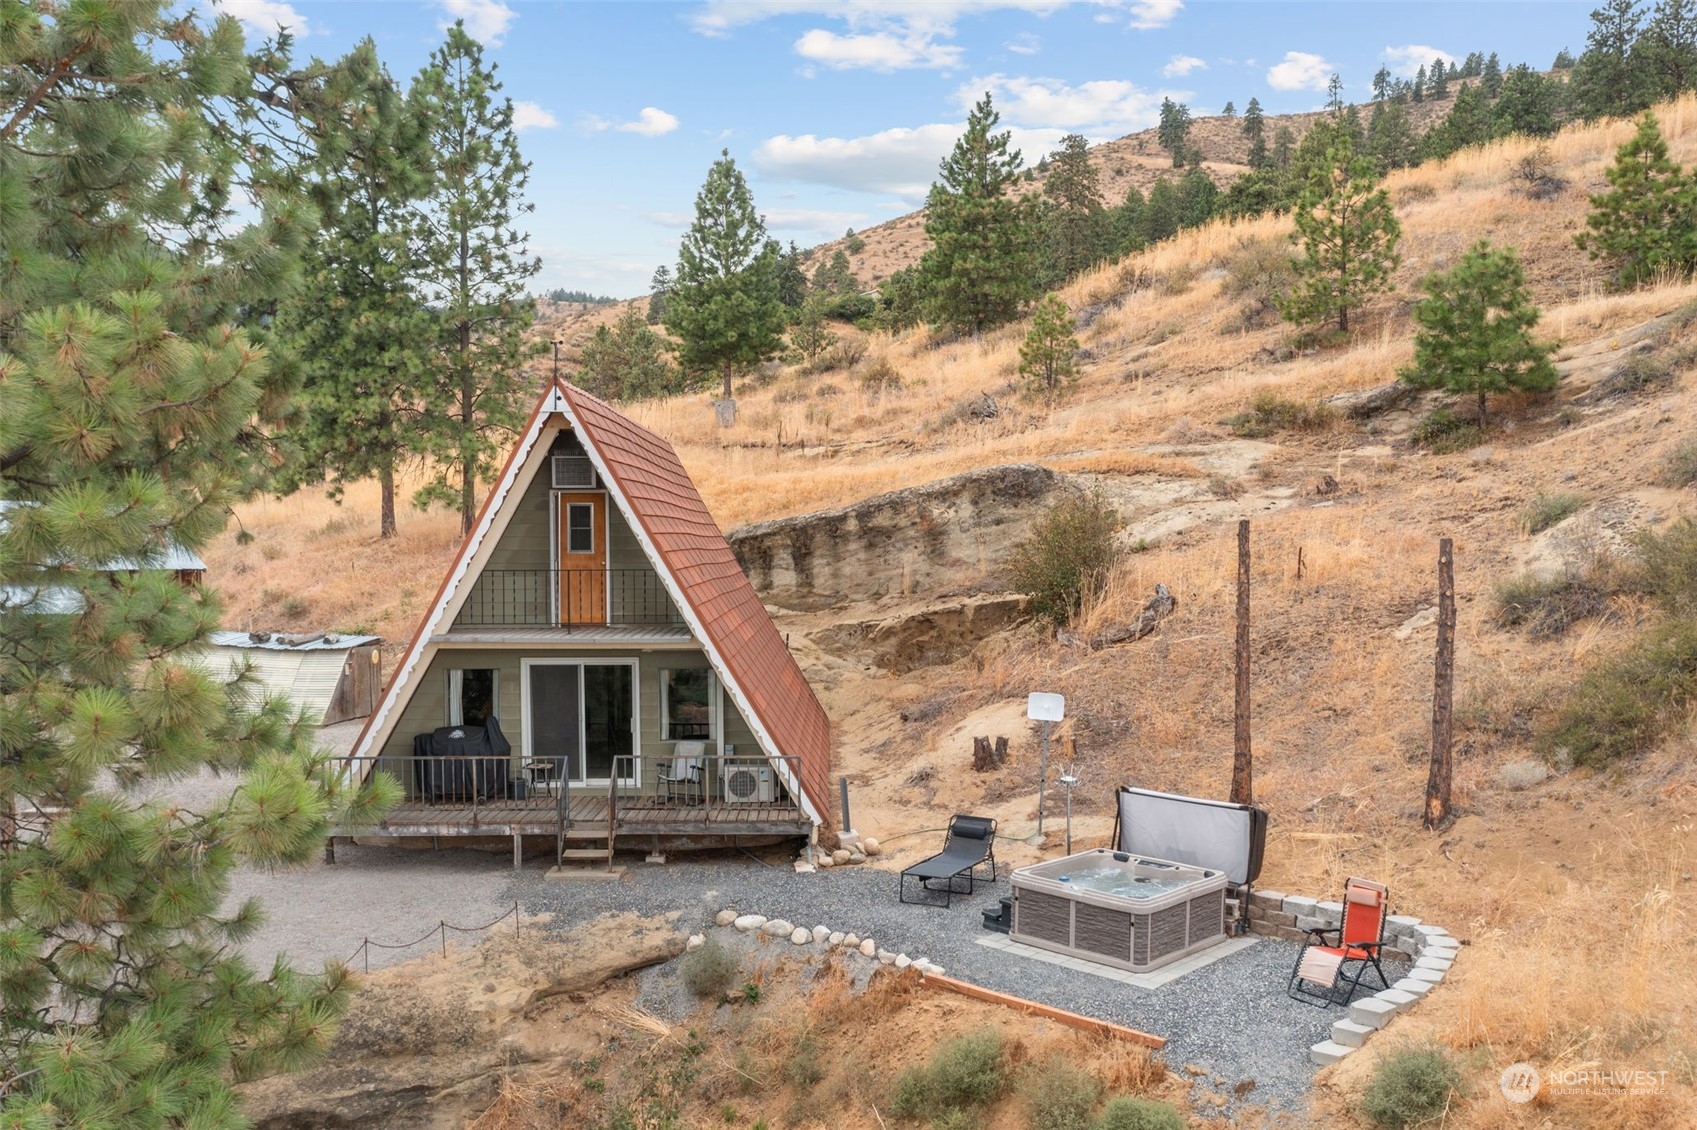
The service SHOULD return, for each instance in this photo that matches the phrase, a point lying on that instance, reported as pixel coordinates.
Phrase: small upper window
(686, 703)
(472, 695)
(580, 528)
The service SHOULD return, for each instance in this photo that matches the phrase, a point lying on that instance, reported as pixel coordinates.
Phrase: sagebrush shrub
(710, 969)
(1059, 1096)
(1127, 1113)
(965, 1072)
(1410, 1087)
(1068, 551)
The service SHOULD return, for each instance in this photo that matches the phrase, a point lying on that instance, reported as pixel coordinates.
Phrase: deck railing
(567, 598)
(707, 783)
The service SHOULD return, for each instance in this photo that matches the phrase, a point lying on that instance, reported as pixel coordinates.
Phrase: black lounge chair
(968, 846)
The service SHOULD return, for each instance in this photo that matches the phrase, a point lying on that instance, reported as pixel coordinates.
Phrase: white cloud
(1024, 44)
(263, 19)
(813, 220)
(485, 20)
(1102, 106)
(1180, 65)
(671, 219)
(651, 122)
(1300, 71)
(902, 162)
(1148, 14)
(900, 34)
(531, 115)
(881, 51)
(1406, 61)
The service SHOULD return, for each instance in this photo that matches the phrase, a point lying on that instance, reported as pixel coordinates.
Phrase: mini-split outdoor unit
(747, 782)
(573, 472)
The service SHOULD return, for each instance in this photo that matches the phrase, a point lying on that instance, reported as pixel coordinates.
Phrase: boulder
(696, 941)
(885, 957)
(902, 961)
(870, 846)
(1366, 403)
(800, 936)
(725, 917)
(836, 937)
(869, 948)
(841, 856)
(825, 861)
(820, 933)
(777, 928)
(851, 941)
(749, 923)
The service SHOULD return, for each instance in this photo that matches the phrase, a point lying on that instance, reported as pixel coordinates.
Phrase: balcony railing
(568, 598)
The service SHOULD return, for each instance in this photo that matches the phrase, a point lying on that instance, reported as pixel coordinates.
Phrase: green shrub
(1643, 371)
(965, 1072)
(1059, 1096)
(1410, 1087)
(1669, 560)
(1442, 432)
(804, 1069)
(710, 970)
(1624, 705)
(1680, 469)
(1126, 1113)
(1545, 510)
(1069, 550)
(1548, 606)
(1269, 412)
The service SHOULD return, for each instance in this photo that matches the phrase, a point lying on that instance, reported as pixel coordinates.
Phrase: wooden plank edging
(1032, 1008)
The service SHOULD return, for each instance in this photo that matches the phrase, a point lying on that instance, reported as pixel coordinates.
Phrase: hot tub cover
(1214, 834)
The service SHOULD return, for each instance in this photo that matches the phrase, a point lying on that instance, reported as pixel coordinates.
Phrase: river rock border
(820, 936)
(1431, 948)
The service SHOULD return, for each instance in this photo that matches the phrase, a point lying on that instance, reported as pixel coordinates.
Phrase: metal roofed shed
(333, 678)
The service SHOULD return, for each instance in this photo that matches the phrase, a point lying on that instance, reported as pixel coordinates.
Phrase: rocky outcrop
(935, 633)
(951, 535)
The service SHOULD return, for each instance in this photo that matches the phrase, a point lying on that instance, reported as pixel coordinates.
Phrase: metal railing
(708, 782)
(567, 598)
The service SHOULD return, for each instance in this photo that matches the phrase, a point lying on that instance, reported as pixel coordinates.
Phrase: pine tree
(1468, 123)
(1074, 221)
(628, 361)
(474, 266)
(1174, 130)
(1475, 330)
(1334, 93)
(139, 391)
(1437, 81)
(1198, 199)
(1047, 357)
(660, 288)
(1128, 223)
(1530, 104)
(1381, 84)
(809, 336)
(1564, 61)
(724, 309)
(361, 329)
(1420, 84)
(1668, 48)
(1348, 234)
(1230, 111)
(1390, 137)
(792, 279)
(979, 271)
(1473, 66)
(1646, 224)
(1161, 213)
(834, 277)
(1255, 129)
(1491, 79)
(1607, 82)
(1284, 143)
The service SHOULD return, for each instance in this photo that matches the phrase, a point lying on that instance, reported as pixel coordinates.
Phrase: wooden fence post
(1243, 774)
(1443, 693)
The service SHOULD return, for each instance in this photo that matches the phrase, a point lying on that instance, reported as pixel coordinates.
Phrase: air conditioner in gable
(573, 472)
(747, 782)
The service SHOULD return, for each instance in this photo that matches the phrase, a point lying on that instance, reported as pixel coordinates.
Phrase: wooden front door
(583, 559)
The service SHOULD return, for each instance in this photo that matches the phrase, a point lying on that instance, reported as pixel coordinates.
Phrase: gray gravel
(1231, 1019)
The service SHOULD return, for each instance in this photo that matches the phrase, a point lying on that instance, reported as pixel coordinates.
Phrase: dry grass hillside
(1572, 888)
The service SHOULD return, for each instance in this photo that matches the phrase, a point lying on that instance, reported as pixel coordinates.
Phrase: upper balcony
(593, 602)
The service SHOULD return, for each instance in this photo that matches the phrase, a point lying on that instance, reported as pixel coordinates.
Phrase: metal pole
(1042, 781)
(848, 825)
(1069, 819)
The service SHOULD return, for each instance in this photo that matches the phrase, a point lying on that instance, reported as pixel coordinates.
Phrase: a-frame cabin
(639, 689)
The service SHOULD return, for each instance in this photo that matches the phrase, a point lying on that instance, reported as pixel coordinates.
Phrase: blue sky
(839, 112)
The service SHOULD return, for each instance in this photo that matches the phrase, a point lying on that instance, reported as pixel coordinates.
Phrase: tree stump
(986, 757)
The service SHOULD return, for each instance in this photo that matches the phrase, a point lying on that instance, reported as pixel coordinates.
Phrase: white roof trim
(675, 591)
(384, 720)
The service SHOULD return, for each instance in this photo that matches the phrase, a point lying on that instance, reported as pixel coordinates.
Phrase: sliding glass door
(583, 713)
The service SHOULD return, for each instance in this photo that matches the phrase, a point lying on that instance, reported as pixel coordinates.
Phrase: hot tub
(1119, 909)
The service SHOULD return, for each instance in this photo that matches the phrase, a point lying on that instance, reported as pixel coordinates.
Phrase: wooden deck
(537, 816)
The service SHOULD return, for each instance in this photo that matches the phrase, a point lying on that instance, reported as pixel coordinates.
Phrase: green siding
(426, 709)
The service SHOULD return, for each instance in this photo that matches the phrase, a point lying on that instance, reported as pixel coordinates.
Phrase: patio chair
(968, 845)
(684, 773)
(1330, 974)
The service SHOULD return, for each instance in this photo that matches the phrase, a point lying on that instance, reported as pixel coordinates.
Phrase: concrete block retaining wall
(1431, 948)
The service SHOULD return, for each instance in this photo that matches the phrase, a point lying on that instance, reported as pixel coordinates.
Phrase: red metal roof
(666, 504)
